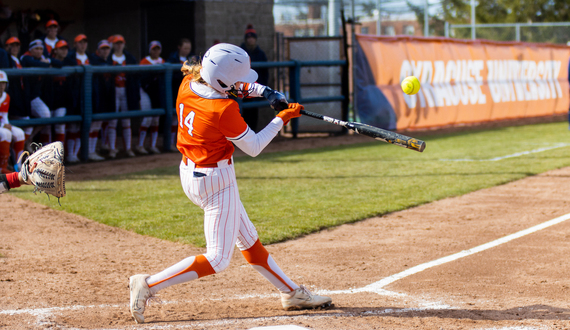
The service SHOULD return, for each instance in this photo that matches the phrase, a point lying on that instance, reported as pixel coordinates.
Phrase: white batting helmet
(224, 64)
(3, 76)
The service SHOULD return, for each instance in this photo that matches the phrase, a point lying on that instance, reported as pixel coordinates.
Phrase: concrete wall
(103, 18)
(227, 22)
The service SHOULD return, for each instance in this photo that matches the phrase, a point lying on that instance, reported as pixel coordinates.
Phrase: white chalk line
(518, 154)
(376, 287)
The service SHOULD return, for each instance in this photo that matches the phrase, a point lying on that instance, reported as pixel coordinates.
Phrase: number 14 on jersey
(188, 120)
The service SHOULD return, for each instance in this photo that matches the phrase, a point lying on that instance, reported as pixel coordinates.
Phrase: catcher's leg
(9, 181)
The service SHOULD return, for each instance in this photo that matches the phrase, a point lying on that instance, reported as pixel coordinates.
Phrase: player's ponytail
(193, 69)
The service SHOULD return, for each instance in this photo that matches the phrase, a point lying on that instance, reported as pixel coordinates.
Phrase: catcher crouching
(43, 169)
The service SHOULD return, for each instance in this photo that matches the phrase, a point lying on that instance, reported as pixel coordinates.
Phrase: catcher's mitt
(44, 169)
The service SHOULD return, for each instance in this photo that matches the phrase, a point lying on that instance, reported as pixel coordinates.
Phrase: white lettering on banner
(448, 83)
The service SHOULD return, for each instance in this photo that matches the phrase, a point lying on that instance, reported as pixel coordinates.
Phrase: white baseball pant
(225, 224)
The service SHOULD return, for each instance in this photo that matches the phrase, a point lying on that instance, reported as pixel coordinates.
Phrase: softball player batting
(208, 124)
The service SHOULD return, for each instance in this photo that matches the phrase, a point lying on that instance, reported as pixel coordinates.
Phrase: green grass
(290, 194)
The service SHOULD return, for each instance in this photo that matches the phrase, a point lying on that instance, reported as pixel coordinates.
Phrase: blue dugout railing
(166, 72)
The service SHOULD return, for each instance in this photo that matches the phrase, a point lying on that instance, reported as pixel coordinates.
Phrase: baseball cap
(12, 40)
(51, 22)
(103, 43)
(3, 76)
(250, 32)
(118, 38)
(35, 44)
(154, 43)
(80, 37)
(61, 43)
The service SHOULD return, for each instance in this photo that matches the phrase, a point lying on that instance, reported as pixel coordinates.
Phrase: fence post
(518, 31)
(295, 92)
(87, 102)
(168, 106)
(446, 29)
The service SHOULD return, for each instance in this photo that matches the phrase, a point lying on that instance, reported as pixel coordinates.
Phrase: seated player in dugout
(34, 58)
(10, 136)
(209, 122)
(19, 98)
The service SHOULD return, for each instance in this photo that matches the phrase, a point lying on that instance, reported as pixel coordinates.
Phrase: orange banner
(462, 81)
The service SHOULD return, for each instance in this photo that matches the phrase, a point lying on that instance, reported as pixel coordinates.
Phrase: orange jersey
(4, 103)
(149, 61)
(205, 126)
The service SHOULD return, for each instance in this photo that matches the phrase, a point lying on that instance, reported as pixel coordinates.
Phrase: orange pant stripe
(201, 266)
(257, 255)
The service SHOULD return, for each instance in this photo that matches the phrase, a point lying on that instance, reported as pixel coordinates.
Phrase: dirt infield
(60, 270)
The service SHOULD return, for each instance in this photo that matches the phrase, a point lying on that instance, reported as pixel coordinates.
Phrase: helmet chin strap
(233, 91)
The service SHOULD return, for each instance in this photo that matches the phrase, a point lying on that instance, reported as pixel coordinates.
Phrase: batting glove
(293, 111)
(277, 100)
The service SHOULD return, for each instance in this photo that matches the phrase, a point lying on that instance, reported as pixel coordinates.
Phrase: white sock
(112, 136)
(127, 137)
(153, 138)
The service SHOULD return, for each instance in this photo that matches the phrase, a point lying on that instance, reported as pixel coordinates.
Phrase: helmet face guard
(224, 65)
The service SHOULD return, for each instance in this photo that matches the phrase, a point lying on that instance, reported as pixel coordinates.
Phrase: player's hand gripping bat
(375, 132)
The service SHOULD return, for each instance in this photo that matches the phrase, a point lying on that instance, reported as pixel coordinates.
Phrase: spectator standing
(58, 95)
(250, 115)
(150, 98)
(103, 96)
(34, 58)
(80, 56)
(127, 96)
(182, 55)
(51, 38)
(20, 100)
(9, 135)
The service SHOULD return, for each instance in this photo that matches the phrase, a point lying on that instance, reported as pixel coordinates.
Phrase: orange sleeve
(231, 123)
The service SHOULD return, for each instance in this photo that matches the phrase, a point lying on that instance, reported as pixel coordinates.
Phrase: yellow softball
(411, 85)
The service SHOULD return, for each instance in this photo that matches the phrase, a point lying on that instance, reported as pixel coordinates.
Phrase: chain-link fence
(555, 32)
